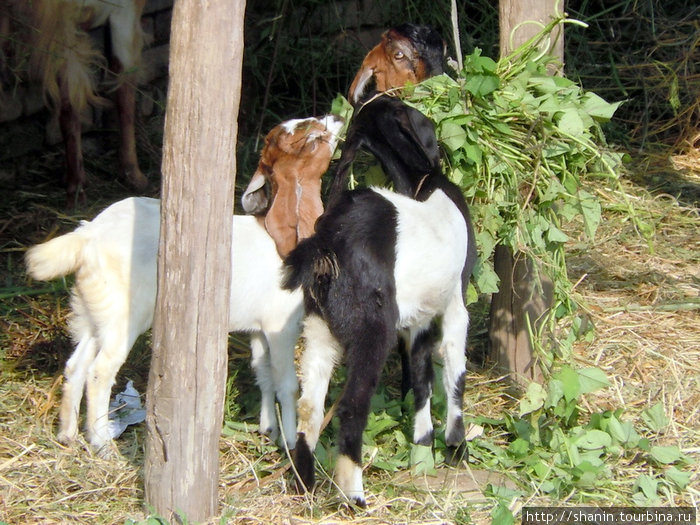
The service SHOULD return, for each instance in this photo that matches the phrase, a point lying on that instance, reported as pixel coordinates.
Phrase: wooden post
(187, 380)
(521, 296)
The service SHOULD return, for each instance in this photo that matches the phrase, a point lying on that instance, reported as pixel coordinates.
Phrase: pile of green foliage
(528, 150)
(526, 147)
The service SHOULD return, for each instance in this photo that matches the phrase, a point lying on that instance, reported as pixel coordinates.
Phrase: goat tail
(310, 267)
(55, 258)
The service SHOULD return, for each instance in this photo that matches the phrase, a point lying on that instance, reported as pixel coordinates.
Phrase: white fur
(430, 253)
(114, 258)
(321, 354)
(124, 22)
(348, 477)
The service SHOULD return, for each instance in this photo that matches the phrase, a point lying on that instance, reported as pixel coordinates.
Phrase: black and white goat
(406, 53)
(114, 261)
(381, 262)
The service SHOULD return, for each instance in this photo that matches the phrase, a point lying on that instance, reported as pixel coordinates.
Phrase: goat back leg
(455, 323)
(263, 377)
(322, 352)
(285, 379)
(422, 377)
(74, 177)
(115, 345)
(364, 369)
(73, 386)
(126, 111)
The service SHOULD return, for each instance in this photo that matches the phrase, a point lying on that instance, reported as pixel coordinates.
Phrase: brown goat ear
(359, 83)
(255, 198)
(281, 219)
(310, 208)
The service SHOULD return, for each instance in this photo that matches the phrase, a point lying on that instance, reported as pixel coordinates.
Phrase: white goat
(114, 258)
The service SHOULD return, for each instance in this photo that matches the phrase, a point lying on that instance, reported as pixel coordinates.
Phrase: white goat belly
(431, 249)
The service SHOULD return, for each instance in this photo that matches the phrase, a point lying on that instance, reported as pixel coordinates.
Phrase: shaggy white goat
(114, 258)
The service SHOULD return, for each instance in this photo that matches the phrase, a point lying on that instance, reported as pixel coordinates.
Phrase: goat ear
(310, 208)
(255, 198)
(359, 83)
(281, 220)
(420, 131)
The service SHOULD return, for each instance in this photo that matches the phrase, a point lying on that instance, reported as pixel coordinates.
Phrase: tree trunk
(187, 380)
(513, 32)
(525, 293)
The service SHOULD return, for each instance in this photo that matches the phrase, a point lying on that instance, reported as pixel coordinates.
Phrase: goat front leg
(320, 356)
(126, 110)
(422, 381)
(69, 121)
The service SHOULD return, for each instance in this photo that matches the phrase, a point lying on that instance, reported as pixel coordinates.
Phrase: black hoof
(303, 460)
(455, 455)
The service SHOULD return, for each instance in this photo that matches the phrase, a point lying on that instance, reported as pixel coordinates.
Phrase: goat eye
(399, 55)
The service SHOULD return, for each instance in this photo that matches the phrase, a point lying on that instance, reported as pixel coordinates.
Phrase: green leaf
(666, 454)
(623, 432)
(422, 460)
(597, 107)
(374, 176)
(452, 135)
(472, 294)
(473, 152)
(569, 122)
(592, 379)
(554, 234)
(481, 85)
(655, 417)
(501, 515)
(591, 211)
(647, 485)
(679, 478)
(533, 400)
(485, 278)
(570, 381)
(555, 392)
(519, 447)
(593, 439)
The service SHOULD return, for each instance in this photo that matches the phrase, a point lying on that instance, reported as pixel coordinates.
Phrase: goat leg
(126, 110)
(74, 177)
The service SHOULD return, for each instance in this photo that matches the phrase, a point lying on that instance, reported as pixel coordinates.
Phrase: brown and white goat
(51, 35)
(113, 300)
(407, 53)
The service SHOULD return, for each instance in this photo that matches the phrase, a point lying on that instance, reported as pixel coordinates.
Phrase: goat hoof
(135, 178)
(455, 455)
(65, 439)
(107, 450)
(303, 460)
(359, 502)
(426, 440)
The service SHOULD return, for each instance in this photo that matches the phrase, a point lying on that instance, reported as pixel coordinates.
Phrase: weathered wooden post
(520, 296)
(188, 368)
